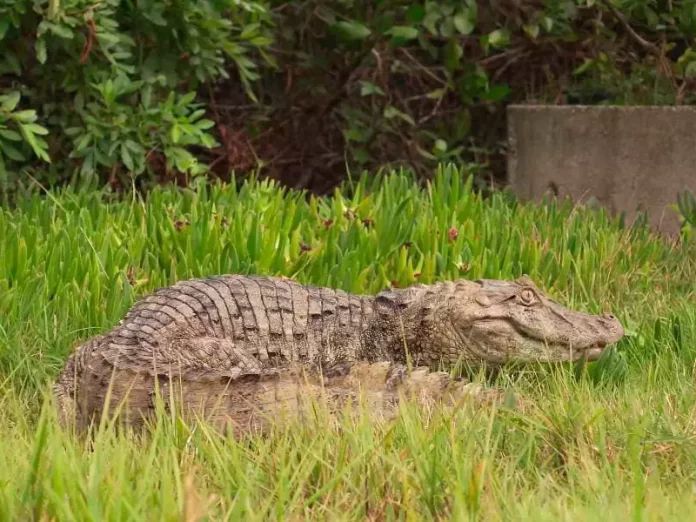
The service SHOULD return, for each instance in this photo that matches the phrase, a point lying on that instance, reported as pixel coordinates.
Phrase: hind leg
(386, 384)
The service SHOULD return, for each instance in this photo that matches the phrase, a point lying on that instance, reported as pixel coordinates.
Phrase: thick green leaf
(351, 30)
(10, 101)
(368, 89)
(532, 30)
(499, 38)
(463, 23)
(11, 152)
(24, 117)
(53, 9)
(403, 32)
(175, 133)
(135, 147)
(84, 142)
(36, 144)
(61, 30)
(36, 129)
(205, 124)
(186, 99)
(10, 135)
(127, 159)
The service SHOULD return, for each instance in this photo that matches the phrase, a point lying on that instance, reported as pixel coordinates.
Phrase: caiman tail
(65, 387)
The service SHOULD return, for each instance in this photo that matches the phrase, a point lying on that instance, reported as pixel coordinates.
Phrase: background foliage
(104, 89)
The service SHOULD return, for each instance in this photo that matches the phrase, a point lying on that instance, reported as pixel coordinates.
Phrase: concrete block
(631, 159)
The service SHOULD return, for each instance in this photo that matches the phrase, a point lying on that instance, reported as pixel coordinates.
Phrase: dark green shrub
(113, 81)
(371, 83)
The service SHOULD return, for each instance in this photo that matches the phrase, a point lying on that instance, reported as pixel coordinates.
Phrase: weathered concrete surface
(629, 158)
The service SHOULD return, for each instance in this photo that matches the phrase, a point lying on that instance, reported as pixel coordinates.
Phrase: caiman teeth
(596, 345)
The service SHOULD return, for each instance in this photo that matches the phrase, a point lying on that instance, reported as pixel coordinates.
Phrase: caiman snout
(609, 332)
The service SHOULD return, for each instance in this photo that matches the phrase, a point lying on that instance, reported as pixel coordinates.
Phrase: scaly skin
(239, 349)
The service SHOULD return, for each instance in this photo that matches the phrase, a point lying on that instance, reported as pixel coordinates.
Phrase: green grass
(615, 441)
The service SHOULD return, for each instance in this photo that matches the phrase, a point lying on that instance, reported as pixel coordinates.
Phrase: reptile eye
(527, 296)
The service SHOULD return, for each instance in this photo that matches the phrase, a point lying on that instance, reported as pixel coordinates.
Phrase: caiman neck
(390, 332)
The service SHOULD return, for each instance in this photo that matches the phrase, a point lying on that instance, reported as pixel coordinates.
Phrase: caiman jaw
(588, 353)
(595, 352)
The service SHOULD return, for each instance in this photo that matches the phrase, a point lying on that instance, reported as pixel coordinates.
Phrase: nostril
(610, 316)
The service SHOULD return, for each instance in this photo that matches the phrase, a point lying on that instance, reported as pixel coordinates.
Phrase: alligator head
(494, 322)
(515, 321)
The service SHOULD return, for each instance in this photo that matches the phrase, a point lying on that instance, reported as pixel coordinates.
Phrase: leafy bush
(376, 84)
(110, 79)
(18, 131)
